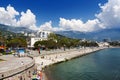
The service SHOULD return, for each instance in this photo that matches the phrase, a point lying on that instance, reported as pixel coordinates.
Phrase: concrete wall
(22, 73)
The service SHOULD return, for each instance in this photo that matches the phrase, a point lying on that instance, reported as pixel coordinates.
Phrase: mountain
(112, 34)
(14, 29)
(71, 34)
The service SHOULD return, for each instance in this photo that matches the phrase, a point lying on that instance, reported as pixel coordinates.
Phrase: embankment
(49, 59)
(17, 68)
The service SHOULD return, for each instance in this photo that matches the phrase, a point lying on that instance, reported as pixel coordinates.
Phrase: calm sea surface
(101, 65)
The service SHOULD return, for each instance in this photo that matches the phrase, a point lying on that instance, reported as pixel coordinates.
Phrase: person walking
(39, 50)
(40, 75)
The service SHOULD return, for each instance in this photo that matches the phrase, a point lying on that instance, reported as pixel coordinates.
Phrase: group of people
(38, 76)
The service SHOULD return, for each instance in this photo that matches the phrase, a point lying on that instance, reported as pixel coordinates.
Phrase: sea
(100, 65)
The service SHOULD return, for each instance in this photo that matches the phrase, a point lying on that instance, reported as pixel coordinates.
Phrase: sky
(56, 15)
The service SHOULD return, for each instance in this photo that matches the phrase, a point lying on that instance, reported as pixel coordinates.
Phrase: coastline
(46, 60)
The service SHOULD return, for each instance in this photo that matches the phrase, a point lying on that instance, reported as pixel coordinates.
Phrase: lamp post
(56, 44)
(64, 47)
(39, 45)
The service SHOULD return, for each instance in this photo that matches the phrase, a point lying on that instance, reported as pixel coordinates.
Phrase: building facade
(39, 36)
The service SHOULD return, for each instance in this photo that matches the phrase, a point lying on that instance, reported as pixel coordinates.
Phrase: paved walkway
(50, 57)
(34, 53)
(11, 62)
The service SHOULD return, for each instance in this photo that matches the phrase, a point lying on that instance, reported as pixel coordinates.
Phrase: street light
(39, 45)
(64, 47)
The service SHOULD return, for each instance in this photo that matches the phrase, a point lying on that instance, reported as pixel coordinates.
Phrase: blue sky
(49, 12)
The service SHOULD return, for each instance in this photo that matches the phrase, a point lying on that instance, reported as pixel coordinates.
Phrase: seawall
(46, 60)
(17, 68)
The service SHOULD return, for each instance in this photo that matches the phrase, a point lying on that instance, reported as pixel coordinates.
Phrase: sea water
(100, 65)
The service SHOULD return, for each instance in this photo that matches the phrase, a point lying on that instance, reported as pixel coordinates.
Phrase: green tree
(17, 42)
(50, 44)
(88, 43)
(2, 39)
(52, 36)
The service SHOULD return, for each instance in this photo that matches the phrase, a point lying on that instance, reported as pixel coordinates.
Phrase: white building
(43, 34)
(103, 44)
(40, 35)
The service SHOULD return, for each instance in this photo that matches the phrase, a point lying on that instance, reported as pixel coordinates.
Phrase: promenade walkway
(12, 63)
(51, 57)
(58, 55)
(42, 60)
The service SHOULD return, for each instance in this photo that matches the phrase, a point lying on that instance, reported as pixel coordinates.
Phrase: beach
(45, 60)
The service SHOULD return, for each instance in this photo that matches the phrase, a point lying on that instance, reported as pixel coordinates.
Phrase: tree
(17, 42)
(88, 43)
(52, 36)
(2, 40)
(50, 44)
(114, 43)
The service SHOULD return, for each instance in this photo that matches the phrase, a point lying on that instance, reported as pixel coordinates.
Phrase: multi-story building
(103, 44)
(39, 36)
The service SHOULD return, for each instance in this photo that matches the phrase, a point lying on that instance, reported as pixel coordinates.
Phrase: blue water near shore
(101, 65)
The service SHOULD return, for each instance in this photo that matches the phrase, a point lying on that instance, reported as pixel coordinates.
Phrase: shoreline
(46, 60)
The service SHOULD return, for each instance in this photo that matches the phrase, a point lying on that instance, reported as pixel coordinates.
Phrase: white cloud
(110, 14)
(79, 25)
(27, 19)
(7, 16)
(72, 24)
(109, 17)
(46, 26)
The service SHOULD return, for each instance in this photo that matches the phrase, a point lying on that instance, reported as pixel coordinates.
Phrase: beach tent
(21, 52)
